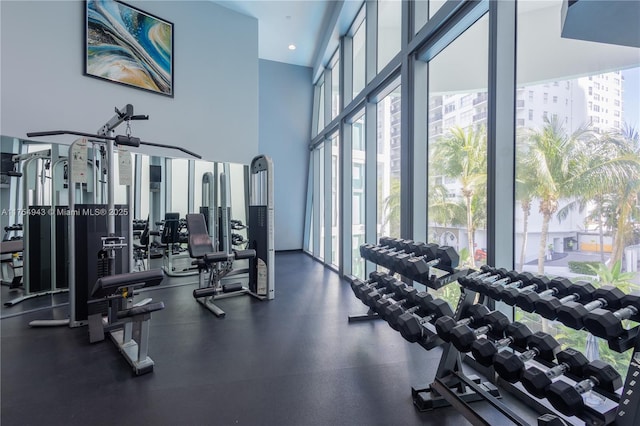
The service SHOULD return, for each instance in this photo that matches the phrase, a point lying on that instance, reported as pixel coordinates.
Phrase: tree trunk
(546, 217)
(601, 234)
(526, 210)
(472, 263)
(619, 243)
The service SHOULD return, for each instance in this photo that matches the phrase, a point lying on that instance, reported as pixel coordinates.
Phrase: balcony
(482, 97)
(480, 116)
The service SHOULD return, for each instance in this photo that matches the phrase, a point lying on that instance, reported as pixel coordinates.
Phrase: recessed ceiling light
(292, 47)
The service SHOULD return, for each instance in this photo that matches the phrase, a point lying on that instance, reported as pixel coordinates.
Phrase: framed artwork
(126, 45)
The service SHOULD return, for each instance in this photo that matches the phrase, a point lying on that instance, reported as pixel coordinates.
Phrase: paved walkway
(560, 264)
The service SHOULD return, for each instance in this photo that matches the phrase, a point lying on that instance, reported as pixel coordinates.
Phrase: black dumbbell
(411, 326)
(511, 290)
(374, 278)
(537, 382)
(377, 279)
(421, 306)
(581, 291)
(446, 324)
(607, 324)
(376, 253)
(485, 270)
(481, 282)
(536, 283)
(390, 258)
(572, 314)
(493, 290)
(567, 398)
(395, 288)
(403, 262)
(418, 267)
(404, 295)
(494, 324)
(483, 350)
(557, 286)
(510, 366)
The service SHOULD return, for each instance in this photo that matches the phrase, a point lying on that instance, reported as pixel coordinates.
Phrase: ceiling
(281, 23)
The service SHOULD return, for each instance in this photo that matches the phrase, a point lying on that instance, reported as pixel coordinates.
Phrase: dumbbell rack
(622, 408)
(452, 387)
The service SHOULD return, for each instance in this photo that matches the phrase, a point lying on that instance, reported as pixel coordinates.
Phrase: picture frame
(128, 46)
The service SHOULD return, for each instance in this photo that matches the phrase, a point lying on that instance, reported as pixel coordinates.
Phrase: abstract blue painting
(128, 46)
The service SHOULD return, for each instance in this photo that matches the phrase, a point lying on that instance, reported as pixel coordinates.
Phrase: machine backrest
(199, 240)
(144, 237)
(170, 230)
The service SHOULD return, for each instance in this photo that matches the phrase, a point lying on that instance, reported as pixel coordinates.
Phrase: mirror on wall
(160, 185)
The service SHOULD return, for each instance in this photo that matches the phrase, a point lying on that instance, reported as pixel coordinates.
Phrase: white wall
(286, 97)
(215, 108)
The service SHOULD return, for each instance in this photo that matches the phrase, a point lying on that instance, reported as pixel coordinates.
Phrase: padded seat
(107, 286)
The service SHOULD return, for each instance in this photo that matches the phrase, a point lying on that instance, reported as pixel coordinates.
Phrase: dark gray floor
(294, 360)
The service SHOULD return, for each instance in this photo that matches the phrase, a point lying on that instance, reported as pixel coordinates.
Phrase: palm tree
(443, 210)
(553, 158)
(609, 176)
(391, 208)
(462, 154)
(525, 184)
(627, 190)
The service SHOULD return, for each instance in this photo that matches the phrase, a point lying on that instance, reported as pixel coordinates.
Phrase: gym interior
(363, 212)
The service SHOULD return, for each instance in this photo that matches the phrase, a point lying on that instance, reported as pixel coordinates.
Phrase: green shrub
(583, 267)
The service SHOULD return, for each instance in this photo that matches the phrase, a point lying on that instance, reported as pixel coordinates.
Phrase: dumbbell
(607, 324)
(572, 314)
(375, 252)
(446, 324)
(526, 300)
(411, 326)
(361, 288)
(386, 256)
(401, 261)
(512, 289)
(421, 305)
(402, 295)
(418, 266)
(395, 287)
(580, 291)
(493, 290)
(483, 350)
(494, 324)
(374, 278)
(485, 270)
(537, 382)
(509, 366)
(567, 398)
(480, 283)
(531, 283)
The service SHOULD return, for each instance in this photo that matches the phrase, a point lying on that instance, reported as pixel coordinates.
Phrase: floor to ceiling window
(388, 165)
(576, 112)
(359, 57)
(358, 165)
(389, 30)
(457, 193)
(335, 200)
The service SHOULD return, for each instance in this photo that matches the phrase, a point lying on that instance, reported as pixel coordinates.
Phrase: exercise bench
(125, 323)
(217, 264)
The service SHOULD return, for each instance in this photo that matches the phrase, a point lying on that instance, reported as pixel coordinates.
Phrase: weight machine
(97, 230)
(43, 231)
(211, 238)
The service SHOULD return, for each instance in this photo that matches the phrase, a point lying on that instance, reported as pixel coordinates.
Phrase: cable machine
(103, 221)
